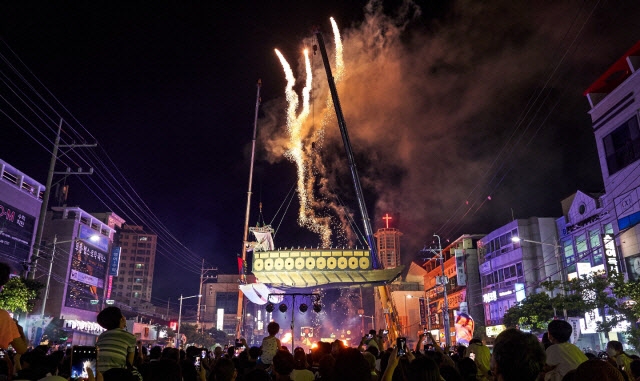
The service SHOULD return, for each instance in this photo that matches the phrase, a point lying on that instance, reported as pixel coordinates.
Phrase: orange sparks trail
(301, 142)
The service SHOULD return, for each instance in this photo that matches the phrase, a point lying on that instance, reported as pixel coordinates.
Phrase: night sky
(433, 92)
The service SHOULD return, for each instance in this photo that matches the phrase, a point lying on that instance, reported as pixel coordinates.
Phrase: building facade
(20, 203)
(461, 269)
(512, 268)
(79, 271)
(134, 283)
(388, 241)
(614, 99)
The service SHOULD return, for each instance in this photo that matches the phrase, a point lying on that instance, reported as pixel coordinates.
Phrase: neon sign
(610, 253)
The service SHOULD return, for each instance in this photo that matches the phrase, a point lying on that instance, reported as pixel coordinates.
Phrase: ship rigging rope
(285, 212)
(283, 202)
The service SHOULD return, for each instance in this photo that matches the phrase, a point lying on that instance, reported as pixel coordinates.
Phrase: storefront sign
(114, 262)
(494, 330)
(505, 293)
(93, 238)
(16, 232)
(489, 297)
(610, 253)
(575, 332)
(461, 276)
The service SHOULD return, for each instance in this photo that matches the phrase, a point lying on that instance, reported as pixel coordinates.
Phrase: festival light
(286, 338)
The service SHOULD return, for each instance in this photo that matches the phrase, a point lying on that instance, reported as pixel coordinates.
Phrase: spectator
(300, 371)
(635, 370)
(468, 369)
(257, 375)
(371, 360)
(546, 343)
(270, 344)
(283, 366)
(597, 370)
(424, 369)
(615, 351)
(187, 366)
(116, 346)
(10, 331)
(517, 356)
(326, 367)
(351, 365)
(562, 356)
(223, 371)
(481, 357)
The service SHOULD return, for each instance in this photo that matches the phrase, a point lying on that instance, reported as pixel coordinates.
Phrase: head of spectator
(111, 318)
(590, 356)
(424, 369)
(217, 352)
(475, 341)
(468, 369)
(449, 373)
(546, 343)
(257, 375)
(326, 366)
(254, 353)
(635, 368)
(337, 347)
(517, 356)
(224, 370)
(614, 348)
(597, 370)
(371, 360)
(373, 350)
(231, 351)
(559, 331)
(171, 354)
(183, 355)
(351, 365)
(155, 353)
(299, 359)
(273, 328)
(283, 364)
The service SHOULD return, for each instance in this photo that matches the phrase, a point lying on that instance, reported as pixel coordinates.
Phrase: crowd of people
(515, 356)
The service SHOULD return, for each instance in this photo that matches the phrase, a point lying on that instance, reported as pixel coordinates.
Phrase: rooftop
(10, 175)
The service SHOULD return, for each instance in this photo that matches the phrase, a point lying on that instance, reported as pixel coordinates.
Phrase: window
(138, 280)
(149, 245)
(594, 238)
(227, 300)
(519, 269)
(139, 265)
(581, 243)
(126, 236)
(597, 257)
(131, 265)
(124, 251)
(125, 243)
(143, 238)
(148, 251)
(140, 252)
(136, 294)
(622, 146)
(137, 273)
(140, 259)
(608, 228)
(568, 251)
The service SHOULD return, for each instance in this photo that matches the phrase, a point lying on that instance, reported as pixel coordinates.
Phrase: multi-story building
(512, 268)
(133, 285)
(79, 271)
(388, 241)
(461, 269)
(20, 203)
(615, 101)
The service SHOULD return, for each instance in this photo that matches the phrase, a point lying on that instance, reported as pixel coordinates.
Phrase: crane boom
(382, 290)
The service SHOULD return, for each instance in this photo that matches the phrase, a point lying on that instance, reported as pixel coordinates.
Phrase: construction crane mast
(383, 290)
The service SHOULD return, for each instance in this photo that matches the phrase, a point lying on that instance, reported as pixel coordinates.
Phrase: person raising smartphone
(10, 331)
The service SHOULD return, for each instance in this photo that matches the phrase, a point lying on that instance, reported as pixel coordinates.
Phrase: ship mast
(239, 316)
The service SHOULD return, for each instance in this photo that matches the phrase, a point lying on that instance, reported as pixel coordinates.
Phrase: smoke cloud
(429, 103)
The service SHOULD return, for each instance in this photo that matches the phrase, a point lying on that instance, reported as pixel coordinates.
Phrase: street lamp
(556, 247)
(180, 317)
(373, 326)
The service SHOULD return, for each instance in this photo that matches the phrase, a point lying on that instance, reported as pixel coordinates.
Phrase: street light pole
(180, 317)
(445, 304)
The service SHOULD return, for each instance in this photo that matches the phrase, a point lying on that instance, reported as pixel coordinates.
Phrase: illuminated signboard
(461, 277)
(220, 319)
(520, 292)
(173, 325)
(114, 262)
(495, 330)
(490, 297)
(610, 253)
(16, 232)
(86, 278)
(93, 238)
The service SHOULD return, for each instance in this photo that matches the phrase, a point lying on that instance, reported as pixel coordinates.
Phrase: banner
(423, 312)
(114, 262)
(575, 333)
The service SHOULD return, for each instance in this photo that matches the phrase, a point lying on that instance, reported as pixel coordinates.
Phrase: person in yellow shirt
(481, 355)
(616, 352)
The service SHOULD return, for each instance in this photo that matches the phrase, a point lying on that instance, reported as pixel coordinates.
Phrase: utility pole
(47, 191)
(178, 341)
(556, 251)
(46, 290)
(445, 304)
(168, 309)
(203, 277)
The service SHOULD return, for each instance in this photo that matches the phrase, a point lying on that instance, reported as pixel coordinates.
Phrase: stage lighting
(270, 307)
(303, 308)
(283, 308)
(317, 307)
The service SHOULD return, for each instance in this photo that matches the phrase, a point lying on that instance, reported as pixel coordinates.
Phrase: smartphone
(424, 332)
(428, 347)
(83, 357)
(472, 356)
(239, 343)
(196, 363)
(385, 332)
(369, 336)
(203, 354)
(401, 344)
(2, 354)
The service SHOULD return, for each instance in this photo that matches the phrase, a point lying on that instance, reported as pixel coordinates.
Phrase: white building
(614, 105)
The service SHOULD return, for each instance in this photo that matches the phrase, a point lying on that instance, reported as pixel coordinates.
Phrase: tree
(20, 295)
(534, 313)
(207, 339)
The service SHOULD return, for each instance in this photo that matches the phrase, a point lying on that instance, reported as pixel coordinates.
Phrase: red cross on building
(387, 218)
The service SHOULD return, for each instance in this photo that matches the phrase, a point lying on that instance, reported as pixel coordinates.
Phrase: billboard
(16, 233)
(633, 267)
(610, 253)
(460, 274)
(114, 262)
(86, 278)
